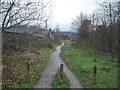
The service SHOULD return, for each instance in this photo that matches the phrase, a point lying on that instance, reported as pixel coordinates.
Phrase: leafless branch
(15, 12)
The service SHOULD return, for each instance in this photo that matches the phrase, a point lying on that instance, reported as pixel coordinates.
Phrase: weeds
(56, 83)
(17, 51)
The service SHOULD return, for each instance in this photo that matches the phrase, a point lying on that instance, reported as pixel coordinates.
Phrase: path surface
(51, 69)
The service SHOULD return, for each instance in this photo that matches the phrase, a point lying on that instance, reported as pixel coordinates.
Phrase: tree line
(99, 31)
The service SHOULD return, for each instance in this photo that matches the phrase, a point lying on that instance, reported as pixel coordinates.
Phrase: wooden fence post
(94, 74)
(28, 68)
(61, 73)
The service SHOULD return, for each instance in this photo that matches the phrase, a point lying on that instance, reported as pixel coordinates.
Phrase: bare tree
(107, 11)
(76, 24)
(80, 26)
(15, 12)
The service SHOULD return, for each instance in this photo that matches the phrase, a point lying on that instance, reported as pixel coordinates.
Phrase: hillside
(72, 35)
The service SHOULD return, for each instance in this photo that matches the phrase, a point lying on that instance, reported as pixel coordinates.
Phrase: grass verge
(81, 62)
(16, 72)
(57, 83)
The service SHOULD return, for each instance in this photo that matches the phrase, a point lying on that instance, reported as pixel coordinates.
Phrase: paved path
(51, 69)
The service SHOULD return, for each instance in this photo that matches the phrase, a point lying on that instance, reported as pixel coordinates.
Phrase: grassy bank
(16, 72)
(24, 59)
(57, 83)
(81, 62)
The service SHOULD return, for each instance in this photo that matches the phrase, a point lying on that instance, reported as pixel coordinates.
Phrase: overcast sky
(64, 11)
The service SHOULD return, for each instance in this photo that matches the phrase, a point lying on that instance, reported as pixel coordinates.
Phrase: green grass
(56, 82)
(81, 62)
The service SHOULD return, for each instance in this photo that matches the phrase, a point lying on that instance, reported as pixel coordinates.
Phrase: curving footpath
(52, 68)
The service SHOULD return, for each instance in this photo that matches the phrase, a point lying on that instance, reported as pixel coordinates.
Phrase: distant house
(28, 30)
(41, 33)
(17, 30)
